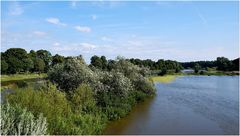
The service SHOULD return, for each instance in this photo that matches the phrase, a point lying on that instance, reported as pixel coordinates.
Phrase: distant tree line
(221, 63)
(18, 60)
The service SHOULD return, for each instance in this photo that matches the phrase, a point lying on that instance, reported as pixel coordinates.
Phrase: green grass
(9, 81)
(164, 79)
(16, 77)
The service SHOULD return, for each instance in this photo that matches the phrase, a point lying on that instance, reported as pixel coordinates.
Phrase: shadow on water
(139, 114)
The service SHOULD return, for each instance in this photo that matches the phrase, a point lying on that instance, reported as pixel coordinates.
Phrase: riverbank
(13, 81)
(164, 79)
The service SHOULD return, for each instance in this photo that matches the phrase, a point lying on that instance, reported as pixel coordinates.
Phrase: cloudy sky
(182, 31)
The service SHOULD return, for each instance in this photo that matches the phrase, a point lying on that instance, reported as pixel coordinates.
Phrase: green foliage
(114, 82)
(4, 66)
(159, 65)
(56, 59)
(70, 74)
(28, 64)
(48, 101)
(18, 121)
(17, 60)
(223, 63)
(197, 68)
(21, 83)
(163, 72)
(58, 110)
(39, 65)
(82, 99)
(235, 64)
(99, 62)
(46, 56)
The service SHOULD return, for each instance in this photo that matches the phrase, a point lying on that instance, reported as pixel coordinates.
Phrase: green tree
(56, 59)
(197, 68)
(15, 57)
(46, 56)
(28, 64)
(104, 62)
(39, 65)
(96, 62)
(4, 66)
(223, 63)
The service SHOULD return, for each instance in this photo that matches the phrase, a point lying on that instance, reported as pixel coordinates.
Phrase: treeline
(17, 60)
(221, 63)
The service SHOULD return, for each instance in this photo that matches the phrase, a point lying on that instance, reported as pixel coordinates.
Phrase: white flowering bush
(18, 121)
(113, 82)
(136, 75)
(69, 75)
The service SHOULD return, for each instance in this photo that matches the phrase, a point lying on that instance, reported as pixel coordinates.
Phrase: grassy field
(164, 79)
(16, 77)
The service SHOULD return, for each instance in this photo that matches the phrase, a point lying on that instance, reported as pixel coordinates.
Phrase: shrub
(114, 82)
(136, 75)
(58, 111)
(82, 99)
(51, 102)
(163, 72)
(18, 121)
(69, 75)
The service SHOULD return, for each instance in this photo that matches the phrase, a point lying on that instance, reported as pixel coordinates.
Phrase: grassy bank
(16, 77)
(164, 79)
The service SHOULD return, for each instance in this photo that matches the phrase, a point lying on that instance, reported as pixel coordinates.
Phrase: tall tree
(46, 56)
(39, 65)
(16, 59)
(96, 62)
(223, 63)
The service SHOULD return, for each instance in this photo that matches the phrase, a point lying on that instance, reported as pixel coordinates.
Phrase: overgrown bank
(79, 99)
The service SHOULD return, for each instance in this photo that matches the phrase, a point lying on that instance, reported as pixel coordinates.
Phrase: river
(188, 105)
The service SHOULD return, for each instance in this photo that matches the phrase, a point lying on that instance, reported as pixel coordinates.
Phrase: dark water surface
(188, 105)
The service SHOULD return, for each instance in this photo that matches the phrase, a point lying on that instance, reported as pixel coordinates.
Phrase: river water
(188, 105)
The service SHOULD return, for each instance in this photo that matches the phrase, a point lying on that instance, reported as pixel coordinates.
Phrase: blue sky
(182, 31)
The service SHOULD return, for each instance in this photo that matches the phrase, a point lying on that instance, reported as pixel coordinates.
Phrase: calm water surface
(188, 105)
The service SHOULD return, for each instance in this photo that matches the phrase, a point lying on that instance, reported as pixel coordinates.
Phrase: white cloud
(94, 17)
(39, 33)
(56, 44)
(82, 47)
(104, 38)
(83, 29)
(88, 46)
(15, 9)
(55, 21)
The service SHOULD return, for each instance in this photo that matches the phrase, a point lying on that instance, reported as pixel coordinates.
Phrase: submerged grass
(164, 79)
